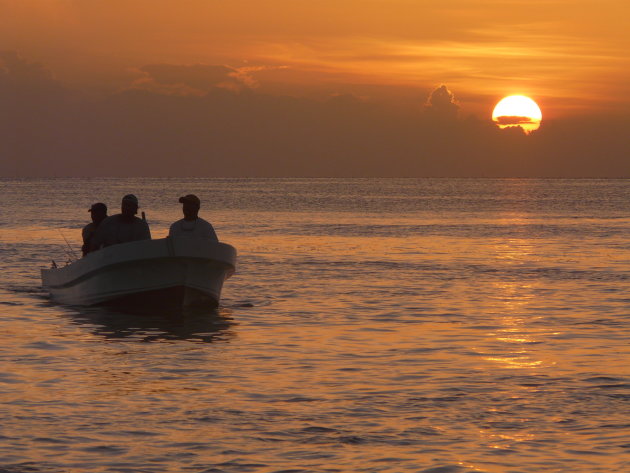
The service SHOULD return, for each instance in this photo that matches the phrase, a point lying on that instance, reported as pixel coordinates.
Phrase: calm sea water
(436, 326)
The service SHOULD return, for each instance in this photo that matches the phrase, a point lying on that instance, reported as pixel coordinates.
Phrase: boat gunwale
(223, 255)
(85, 276)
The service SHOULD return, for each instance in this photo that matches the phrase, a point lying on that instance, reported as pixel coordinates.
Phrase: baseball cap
(130, 198)
(98, 207)
(191, 199)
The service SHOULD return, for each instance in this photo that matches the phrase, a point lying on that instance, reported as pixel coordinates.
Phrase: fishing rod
(72, 254)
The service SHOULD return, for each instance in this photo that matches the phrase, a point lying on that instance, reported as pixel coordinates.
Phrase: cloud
(23, 74)
(477, 47)
(195, 79)
(49, 129)
(515, 120)
(246, 74)
(441, 104)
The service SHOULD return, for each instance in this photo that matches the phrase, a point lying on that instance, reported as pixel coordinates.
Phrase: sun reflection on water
(511, 342)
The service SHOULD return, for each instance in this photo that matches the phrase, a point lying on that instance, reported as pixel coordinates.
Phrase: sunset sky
(295, 87)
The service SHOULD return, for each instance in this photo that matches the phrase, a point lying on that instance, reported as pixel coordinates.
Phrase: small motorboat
(167, 273)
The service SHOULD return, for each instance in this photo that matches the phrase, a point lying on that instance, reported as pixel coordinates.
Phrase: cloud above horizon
(442, 104)
(21, 73)
(195, 79)
(514, 120)
(573, 57)
(51, 129)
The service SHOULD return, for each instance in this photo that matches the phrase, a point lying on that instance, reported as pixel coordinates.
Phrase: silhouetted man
(99, 213)
(121, 228)
(192, 224)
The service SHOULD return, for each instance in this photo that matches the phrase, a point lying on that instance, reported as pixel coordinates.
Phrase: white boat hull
(169, 272)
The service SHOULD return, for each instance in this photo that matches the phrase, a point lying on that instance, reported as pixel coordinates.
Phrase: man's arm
(172, 231)
(213, 234)
(209, 231)
(85, 248)
(98, 238)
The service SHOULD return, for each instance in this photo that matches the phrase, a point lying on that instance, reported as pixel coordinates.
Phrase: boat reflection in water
(194, 324)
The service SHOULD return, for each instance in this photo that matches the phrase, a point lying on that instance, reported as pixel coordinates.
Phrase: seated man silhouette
(99, 213)
(122, 227)
(192, 224)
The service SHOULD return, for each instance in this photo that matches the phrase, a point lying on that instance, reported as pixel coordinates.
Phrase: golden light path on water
(371, 326)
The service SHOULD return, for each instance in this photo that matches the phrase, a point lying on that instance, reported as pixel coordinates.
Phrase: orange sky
(568, 54)
(312, 88)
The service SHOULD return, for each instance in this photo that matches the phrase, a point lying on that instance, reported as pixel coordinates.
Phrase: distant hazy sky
(302, 87)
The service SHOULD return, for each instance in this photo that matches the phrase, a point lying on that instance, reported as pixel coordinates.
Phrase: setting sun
(517, 110)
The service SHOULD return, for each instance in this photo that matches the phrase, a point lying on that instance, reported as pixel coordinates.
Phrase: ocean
(373, 325)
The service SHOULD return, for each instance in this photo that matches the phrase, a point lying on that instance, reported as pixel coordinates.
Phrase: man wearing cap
(99, 213)
(192, 225)
(121, 228)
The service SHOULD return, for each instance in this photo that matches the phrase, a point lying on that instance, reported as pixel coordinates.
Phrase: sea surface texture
(373, 325)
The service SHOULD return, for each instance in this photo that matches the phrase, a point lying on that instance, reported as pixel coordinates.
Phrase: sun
(517, 110)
